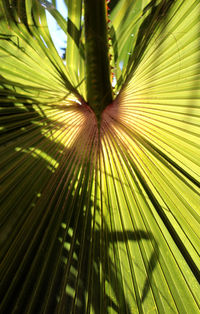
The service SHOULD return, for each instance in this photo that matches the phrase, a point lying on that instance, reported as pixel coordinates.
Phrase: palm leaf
(102, 219)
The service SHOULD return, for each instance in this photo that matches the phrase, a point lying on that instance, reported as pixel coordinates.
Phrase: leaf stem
(99, 89)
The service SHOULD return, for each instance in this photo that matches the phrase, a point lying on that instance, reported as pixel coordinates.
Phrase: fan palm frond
(100, 215)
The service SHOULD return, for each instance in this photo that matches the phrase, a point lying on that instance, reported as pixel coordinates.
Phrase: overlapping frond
(30, 61)
(101, 220)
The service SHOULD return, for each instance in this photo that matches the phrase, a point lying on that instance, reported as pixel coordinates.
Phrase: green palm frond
(100, 216)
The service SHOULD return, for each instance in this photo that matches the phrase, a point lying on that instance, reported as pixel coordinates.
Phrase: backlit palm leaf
(100, 219)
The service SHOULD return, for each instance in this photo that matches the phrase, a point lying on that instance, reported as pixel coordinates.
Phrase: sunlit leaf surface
(100, 220)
